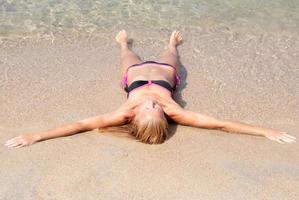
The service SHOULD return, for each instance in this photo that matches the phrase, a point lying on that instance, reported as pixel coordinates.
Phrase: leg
(170, 55)
(127, 56)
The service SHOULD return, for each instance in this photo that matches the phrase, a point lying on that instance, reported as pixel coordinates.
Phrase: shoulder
(126, 111)
(170, 107)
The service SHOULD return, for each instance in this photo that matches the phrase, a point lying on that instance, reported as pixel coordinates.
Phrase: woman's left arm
(194, 119)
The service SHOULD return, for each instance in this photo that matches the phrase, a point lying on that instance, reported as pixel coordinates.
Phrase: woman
(149, 104)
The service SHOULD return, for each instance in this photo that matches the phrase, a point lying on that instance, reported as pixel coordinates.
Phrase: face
(150, 109)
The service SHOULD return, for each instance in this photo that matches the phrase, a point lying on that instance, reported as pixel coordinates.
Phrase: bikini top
(140, 83)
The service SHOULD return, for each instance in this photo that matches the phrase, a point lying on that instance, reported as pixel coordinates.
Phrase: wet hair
(149, 131)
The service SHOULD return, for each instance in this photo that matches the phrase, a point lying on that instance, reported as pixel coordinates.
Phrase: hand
(22, 140)
(281, 137)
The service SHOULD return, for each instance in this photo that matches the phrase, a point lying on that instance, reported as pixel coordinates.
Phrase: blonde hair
(151, 131)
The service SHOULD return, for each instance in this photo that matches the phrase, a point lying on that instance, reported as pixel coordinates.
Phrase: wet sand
(240, 75)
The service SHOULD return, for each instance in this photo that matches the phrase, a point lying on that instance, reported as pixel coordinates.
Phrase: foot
(122, 38)
(175, 39)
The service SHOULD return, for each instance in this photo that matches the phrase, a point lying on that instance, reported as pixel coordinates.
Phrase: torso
(156, 92)
(151, 72)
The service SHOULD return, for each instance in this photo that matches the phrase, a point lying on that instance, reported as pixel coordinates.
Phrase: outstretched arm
(189, 118)
(100, 121)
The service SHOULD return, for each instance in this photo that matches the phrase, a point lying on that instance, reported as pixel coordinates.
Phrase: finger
(22, 145)
(279, 141)
(13, 140)
(10, 141)
(290, 136)
(14, 144)
(16, 147)
(289, 140)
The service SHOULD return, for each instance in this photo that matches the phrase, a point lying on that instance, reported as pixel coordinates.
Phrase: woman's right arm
(100, 121)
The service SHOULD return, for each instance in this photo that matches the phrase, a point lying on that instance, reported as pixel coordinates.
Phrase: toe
(172, 34)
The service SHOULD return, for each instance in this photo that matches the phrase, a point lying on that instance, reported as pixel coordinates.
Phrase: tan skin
(149, 102)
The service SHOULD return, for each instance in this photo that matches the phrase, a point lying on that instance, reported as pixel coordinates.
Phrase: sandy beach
(250, 79)
(237, 71)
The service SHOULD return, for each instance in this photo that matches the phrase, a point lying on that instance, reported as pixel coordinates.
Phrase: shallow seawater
(61, 19)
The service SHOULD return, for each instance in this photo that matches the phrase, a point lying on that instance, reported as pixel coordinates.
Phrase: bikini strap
(177, 80)
(124, 81)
